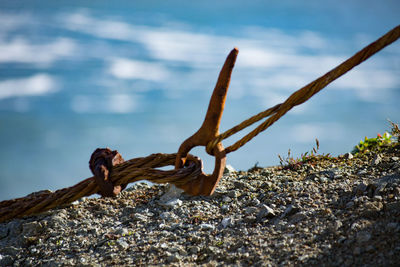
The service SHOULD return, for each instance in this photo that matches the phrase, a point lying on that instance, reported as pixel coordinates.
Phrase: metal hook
(206, 184)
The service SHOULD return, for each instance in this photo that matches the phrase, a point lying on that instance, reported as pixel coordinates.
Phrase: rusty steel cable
(188, 172)
(137, 169)
(304, 93)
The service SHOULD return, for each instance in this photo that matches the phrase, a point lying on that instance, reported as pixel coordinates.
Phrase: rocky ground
(342, 211)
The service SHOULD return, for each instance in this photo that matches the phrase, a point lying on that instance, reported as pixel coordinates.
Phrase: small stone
(6, 260)
(172, 203)
(396, 191)
(266, 212)
(363, 236)
(255, 202)
(337, 224)
(361, 188)
(357, 251)
(173, 258)
(249, 219)
(290, 210)
(172, 193)
(227, 199)
(267, 185)
(393, 206)
(3, 232)
(233, 194)
(395, 158)
(194, 249)
(229, 169)
(239, 185)
(122, 244)
(393, 178)
(377, 159)
(122, 231)
(298, 217)
(370, 214)
(348, 156)
(74, 203)
(225, 208)
(303, 257)
(168, 216)
(370, 248)
(139, 217)
(11, 251)
(206, 226)
(349, 205)
(323, 179)
(226, 222)
(392, 226)
(362, 172)
(251, 210)
(31, 228)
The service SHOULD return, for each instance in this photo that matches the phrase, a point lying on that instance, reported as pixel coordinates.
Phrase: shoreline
(330, 211)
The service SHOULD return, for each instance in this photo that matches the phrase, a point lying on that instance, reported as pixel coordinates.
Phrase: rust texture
(305, 93)
(206, 184)
(112, 174)
(101, 163)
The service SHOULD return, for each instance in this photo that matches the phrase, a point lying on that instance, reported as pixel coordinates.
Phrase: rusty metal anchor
(205, 184)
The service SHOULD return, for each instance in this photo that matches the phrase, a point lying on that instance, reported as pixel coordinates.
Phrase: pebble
(377, 159)
(290, 210)
(349, 204)
(323, 179)
(337, 225)
(172, 193)
(298, 217)
(227, 199)
(393, 226)
(229, 169)
(361, 188)
(233, 194)
(332, 212)
(226, 222)
(206, 226)
(363, 237)
(225, 208)
(168, 216)
(122, 244)
(348, 156)
(172, 203)
(393, 206)
(251, 210)
(266, 212)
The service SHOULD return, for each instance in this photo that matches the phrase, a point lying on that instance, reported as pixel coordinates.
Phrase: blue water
(136, 76)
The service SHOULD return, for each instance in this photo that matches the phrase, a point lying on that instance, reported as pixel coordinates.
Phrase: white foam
(20, 50)
(270, 55)
(116, 103)
(123, 68)
(39, 84)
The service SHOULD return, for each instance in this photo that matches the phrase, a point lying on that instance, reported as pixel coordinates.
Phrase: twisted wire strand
(130, 171)
(145, 168)
(303, 94)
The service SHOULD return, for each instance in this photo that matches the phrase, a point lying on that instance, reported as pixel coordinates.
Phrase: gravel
(342, 211)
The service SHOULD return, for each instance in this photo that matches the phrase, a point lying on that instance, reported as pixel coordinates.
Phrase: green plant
(255, 167)
(395, 130)
(373, 143)
(294, 163)
(111, 243)
(219, 243)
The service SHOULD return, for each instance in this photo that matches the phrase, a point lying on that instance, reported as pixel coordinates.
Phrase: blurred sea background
(137, 76)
